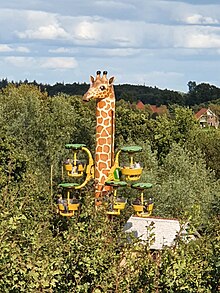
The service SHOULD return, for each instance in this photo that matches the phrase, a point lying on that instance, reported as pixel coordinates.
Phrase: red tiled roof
(201, 112)
(140, 105)
(155, 109)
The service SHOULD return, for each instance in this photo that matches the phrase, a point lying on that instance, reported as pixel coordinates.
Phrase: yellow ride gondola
(132, 172)
(141, 208)
(67, 205)
(76, 168)
(116, 203)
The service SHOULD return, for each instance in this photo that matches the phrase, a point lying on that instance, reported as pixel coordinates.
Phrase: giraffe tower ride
(101, 89)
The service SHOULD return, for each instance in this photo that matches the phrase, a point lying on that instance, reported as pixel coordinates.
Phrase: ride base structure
(106, 170)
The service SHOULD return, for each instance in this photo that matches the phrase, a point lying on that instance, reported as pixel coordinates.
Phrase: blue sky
(153, 42)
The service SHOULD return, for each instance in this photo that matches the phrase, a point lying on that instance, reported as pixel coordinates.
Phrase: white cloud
(46, 63)
(59, 63)
(127, 38)
(196, 37)
(105, 32)
(86, 30)
(22, 49)
(5, 48)
(18, 61)
(203, 41)
(120, 52)
(44, 32)
(114, 4)
(36, 17)
(61, 50)
(199, 19)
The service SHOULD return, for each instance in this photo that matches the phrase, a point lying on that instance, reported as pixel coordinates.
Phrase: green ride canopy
(131, 149)
(74, 146)
(116, 183)
(68, 185)
(140, 185)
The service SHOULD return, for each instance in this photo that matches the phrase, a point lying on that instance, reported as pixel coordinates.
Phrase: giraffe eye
(102, 87)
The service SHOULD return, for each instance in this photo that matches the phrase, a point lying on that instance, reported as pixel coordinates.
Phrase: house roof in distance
(162, 109)
(154, 109)
(205, 111)
(201, 112)
(140, 105)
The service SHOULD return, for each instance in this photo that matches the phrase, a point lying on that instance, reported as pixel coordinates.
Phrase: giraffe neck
(105, 130)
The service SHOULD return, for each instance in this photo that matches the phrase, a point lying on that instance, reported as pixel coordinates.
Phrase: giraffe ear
(111, 80)
(92, 79)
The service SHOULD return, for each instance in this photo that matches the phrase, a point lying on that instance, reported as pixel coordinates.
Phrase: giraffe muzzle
(86, 98)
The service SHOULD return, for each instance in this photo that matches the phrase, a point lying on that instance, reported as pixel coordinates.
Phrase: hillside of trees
(198, 95)
(42, 252)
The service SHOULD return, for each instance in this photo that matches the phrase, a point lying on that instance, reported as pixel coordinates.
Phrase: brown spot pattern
(105, 120)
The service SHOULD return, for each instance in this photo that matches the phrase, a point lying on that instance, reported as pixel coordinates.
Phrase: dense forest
(43, 252)
(197, 96)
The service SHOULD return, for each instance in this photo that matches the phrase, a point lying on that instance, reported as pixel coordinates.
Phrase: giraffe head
(100, 87)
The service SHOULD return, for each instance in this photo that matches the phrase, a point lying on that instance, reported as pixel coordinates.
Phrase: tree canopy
(197, 94)
(42, 252)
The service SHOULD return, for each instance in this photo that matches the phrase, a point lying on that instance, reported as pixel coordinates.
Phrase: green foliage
(208, 141)
(174, 129)
(43, 125)
(13, 162)
(192, 267)
(186, 187)
(42, 252)
(130, 124)
(201, 93)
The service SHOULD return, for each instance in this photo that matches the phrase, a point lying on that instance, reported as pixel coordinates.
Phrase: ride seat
(131, 173)
(68, 167)
(73, 206)
(61, 207)
(138, 208)
(81, 168)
